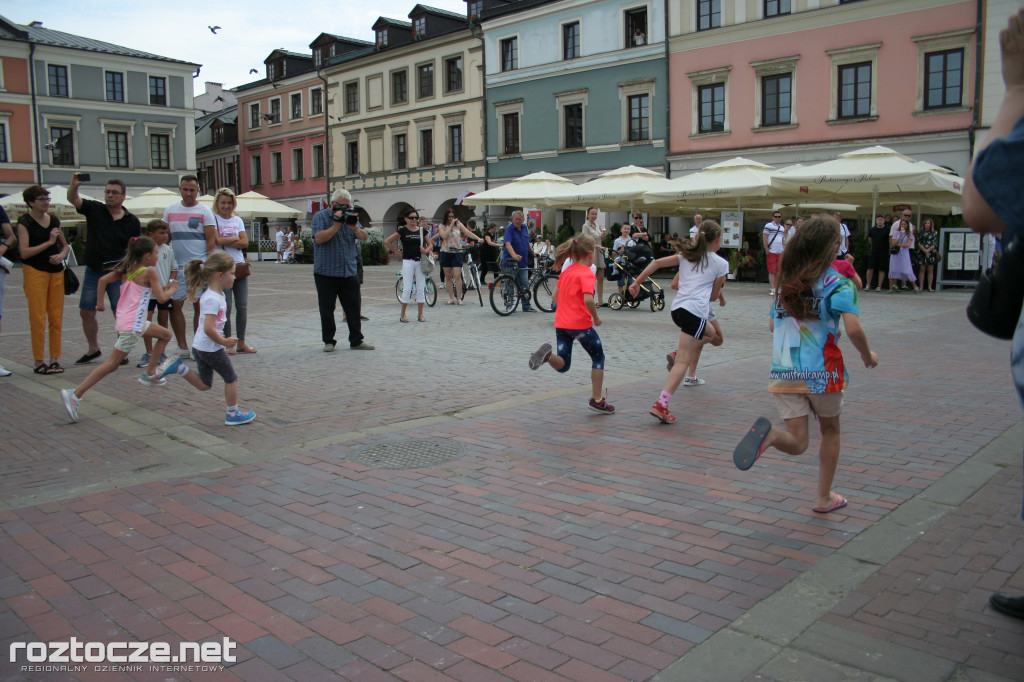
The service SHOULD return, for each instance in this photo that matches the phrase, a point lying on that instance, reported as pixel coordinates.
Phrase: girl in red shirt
(575, 318)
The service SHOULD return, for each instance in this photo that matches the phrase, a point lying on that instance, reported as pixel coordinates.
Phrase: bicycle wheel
(430, 292)
(615, 301)
(542, 293)
(504, 297)
(398, 287)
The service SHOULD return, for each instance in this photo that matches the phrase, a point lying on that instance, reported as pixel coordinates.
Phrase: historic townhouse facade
(75, 104)
(801, 81)
(406, 116)
(217, 159)
(577, 87)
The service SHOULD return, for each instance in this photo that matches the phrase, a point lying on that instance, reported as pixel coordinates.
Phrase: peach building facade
(800, 82)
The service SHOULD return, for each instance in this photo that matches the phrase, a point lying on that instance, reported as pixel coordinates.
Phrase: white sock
(233, 409)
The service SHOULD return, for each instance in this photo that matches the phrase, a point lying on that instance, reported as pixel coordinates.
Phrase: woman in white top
(231, 238)
(591, 228)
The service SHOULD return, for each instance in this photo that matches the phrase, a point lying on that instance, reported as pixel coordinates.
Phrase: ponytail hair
(198, 272)
(575, 248)
(137, 248)
(809, 253)
(696, 251)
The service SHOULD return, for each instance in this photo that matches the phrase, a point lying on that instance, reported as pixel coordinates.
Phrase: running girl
(139, 280)
(209, 346)
(575, 318)
(808, 375)
(701, 276)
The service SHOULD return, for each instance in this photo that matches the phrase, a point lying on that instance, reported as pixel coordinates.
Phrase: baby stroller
(635, 260)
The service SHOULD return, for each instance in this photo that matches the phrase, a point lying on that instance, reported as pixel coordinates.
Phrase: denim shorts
(87, 300)
(451, 260)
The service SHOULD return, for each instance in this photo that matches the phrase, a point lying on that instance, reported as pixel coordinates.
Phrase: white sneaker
(693, 381)
(151, 380)
(4, 372)
(70, 402)
(771, 292)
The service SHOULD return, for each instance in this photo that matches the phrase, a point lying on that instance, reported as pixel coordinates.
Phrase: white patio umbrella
(252, 205)
(616, 190)
(59, 205)
(525, 191)
(875, 173)
(735, 184)
(151, 203)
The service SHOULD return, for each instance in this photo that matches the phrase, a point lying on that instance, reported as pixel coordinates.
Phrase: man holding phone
(109, 226)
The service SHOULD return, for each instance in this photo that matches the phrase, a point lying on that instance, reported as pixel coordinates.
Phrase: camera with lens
(349, 215)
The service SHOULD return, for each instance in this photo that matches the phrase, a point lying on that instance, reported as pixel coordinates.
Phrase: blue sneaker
(144, 360)
(239, 418)
(168, 366)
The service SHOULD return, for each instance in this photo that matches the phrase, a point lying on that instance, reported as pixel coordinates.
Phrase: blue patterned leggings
(588, 338)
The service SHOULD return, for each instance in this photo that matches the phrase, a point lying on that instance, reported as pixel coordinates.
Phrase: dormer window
(476, 7)
(382, 37)
(419, 28)
(271, 71)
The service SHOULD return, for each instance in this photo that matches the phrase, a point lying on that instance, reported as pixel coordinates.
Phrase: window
(401, 152)
(275, 110)
(117, 149)
(316, 101)
(944, 79)
(773, 8)
(160, 151)
(351, 98)
(353, 158)
(636, 27)
(400, 87)
(711, 100)
(709, 14)
(571, 40)
(271, 71)
(58, 78)
(419, 28)
(509, 54)
(3, 143)
(318, 58)
(425, 80)
(453, 74)
(776, 100)
(318, 161)
(230, 174)
(854, 95)
(455, 144)
(382, 37)
(475, 8)
(510, 133)
(297, 164)
(296, 107)
(257, 170)
(276, 167)
(115, 86)
(572, 123)
(427, 147)
(639, 118)
(158, 91)
(217, 132)
(254, 115)
(63, 141)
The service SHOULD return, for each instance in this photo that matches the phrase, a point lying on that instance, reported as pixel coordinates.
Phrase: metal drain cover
(408, 454)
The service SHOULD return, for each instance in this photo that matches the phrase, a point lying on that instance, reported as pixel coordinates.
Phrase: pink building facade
(802, 82)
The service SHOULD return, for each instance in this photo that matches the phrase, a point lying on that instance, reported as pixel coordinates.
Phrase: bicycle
(472, 281)
(429, 290)
(506, 292)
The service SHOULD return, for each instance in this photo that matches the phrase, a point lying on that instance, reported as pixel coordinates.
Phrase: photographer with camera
(336, 231)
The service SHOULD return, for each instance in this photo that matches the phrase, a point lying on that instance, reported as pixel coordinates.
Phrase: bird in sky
(213, 29)
(198, 69)
(253, 71)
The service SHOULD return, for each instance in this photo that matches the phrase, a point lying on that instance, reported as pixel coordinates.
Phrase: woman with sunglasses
(43, 249)
(416, 244)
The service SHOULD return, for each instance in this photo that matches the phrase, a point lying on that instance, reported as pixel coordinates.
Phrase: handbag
(242, 270)
(427, 261)
(893, 250)
(70, 280)
(996, 304)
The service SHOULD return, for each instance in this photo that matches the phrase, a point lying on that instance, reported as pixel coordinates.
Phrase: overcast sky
(249, 31)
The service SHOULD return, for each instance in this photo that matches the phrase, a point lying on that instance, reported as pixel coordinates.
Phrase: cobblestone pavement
(518, 535)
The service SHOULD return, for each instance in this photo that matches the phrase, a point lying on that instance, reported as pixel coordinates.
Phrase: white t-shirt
(280, 240)
(844, 232)
(695, 285)
(231, 227)
(188, 233)
(164, 262)
(568, 262)
(210, 303)
(693, 232)
(774, 236)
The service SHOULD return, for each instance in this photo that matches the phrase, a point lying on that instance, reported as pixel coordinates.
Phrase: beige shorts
(599, 258)
(796, 405)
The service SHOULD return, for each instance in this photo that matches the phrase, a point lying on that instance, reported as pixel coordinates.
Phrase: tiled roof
(440, 12)
(47, 36)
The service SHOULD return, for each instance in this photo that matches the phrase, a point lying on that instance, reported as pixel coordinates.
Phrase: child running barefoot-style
(575, 318)
(701, 276)
(210, 346)
(139, 281)
(808, 375)
(160, 232)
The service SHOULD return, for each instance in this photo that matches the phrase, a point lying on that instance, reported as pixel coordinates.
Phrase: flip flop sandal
(55, 368)
(42, 369)
(839, 503)
(752, 445)
(403, 319)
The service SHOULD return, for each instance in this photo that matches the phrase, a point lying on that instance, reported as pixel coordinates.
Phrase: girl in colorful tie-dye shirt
(808, 375)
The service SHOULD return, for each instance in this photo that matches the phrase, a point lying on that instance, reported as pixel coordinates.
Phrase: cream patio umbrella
(151, 203)
(735, 184)
(528, 190)
(617, 190)
(252, 205)
(15, 205)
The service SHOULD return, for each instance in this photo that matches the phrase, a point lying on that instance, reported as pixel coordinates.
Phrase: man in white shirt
(844, 232)
(697, 220)
(771, 238)
(193, 235)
